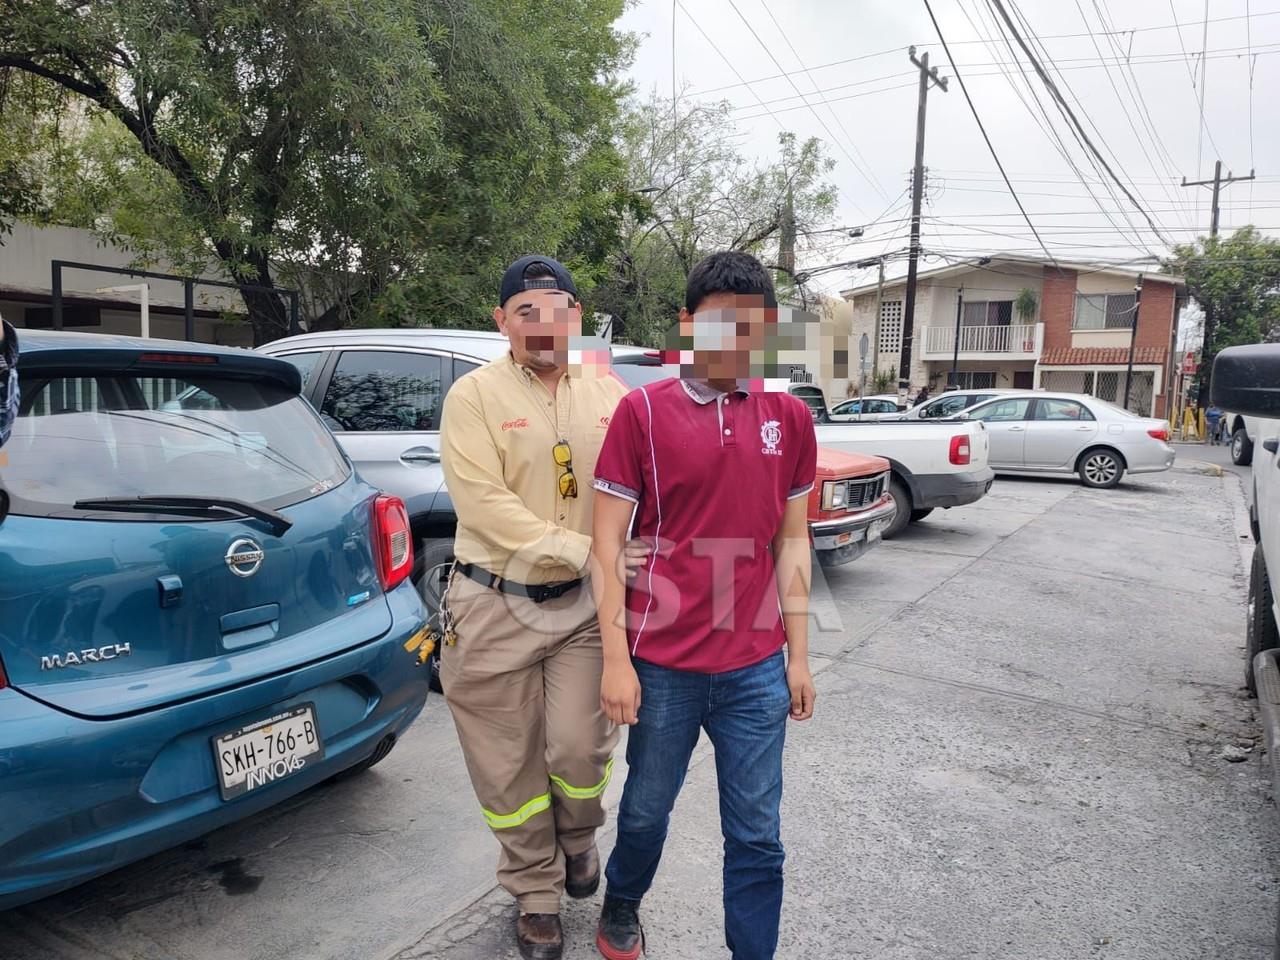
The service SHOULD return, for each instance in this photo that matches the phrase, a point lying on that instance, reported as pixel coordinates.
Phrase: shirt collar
(702, 392)
(521, 370)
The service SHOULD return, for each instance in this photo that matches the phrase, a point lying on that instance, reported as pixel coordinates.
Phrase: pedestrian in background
(921, 397)
(719, 477)
(521, 661)
(1213, 422)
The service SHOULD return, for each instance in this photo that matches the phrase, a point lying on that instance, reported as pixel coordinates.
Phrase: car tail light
(1159, 433)
(393, 540)
(960, 451)
(4, 681)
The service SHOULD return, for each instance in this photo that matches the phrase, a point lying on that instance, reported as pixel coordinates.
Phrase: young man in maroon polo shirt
(718, 478)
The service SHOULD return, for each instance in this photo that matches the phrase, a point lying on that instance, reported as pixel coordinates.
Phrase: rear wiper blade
(278, 522)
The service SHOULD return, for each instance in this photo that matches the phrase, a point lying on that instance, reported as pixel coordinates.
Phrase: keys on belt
(538, 593)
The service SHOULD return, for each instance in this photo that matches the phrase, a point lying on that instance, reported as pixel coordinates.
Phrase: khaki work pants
(523, 683)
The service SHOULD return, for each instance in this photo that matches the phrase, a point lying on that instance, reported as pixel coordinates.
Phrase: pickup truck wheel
(1260, 632)
(431, 576)
(902, 500)
(1100, 469)
(1241, 448)
(918, 515)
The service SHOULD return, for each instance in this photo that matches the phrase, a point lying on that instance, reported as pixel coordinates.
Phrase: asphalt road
(1024, 707)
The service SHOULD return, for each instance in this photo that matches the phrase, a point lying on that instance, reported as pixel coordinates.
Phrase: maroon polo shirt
(710, 474)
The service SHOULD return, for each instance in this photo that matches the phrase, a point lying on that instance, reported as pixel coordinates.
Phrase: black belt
(538, 593)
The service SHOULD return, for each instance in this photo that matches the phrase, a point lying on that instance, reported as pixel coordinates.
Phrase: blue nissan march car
(203, 609)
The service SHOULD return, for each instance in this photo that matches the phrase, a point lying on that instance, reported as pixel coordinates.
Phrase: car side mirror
(1247, 380)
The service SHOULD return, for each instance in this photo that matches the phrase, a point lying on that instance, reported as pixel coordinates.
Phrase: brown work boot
(582, 873)
(539, 936)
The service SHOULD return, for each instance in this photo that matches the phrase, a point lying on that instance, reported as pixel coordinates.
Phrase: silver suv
(381, 393)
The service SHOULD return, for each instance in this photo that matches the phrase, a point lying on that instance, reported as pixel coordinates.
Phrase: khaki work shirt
(498, 429)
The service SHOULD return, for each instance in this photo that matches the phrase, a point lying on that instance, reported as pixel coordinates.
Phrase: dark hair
(730, 271)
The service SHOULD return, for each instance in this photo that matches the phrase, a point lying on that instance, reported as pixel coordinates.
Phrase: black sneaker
(619, 936)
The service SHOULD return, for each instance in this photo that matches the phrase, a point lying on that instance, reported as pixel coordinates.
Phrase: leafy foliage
(387, 157)
(700, 195)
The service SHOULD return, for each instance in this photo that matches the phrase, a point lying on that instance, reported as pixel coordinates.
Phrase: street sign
(864, 344)
(1189, 365)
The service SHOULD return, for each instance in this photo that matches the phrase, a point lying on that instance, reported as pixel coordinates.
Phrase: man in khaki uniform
(520, 438)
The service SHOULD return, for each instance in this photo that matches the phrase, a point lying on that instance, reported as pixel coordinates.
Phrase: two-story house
(1076, 339)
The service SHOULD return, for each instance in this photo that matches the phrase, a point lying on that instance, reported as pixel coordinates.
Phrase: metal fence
(1017, 338)
(1105, 385)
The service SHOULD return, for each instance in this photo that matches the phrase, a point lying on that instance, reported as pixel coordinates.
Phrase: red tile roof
(1100, 356)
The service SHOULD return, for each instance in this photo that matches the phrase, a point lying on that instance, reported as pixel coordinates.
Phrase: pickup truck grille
(863, 493)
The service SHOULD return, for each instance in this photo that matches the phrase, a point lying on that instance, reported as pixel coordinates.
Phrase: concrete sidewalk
(1019, 751)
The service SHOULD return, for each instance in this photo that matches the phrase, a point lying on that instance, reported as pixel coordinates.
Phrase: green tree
(387, 157)
(1236, 281)
(694, 193)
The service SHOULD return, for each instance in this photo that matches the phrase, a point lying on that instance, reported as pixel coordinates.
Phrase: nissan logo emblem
(244, 557)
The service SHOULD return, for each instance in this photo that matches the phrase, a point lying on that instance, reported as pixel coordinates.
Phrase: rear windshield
(84, 437)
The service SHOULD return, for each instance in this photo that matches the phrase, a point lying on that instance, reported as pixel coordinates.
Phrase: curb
(1200, 466)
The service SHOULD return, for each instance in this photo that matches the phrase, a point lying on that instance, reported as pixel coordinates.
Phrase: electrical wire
(864, 173)
(1060, 36)
(1057, 94)
(875, 181)
(977, 119)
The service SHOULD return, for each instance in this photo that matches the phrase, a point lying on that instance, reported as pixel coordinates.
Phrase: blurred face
(724, 331)
(539, 324)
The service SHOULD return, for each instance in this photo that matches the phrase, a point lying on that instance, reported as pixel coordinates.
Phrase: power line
(1060, 36)
(875, 181)
(1053, 89)
(1075, 63)
(1048, 126)
(1204, 82)
(1120, 100)
(1186, 57)
(977, 119)
(730, 65)
(865, 174)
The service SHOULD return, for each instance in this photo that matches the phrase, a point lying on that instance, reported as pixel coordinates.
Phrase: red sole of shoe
(609, 953)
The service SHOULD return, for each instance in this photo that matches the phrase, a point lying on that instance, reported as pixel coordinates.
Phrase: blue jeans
(745, 715)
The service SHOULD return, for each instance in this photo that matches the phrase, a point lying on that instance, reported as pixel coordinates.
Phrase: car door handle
(1084, 427)
(1271, 446)
(420, 455)
(1016, 429)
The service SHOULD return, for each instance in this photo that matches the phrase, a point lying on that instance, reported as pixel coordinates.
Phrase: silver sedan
(1065, 433)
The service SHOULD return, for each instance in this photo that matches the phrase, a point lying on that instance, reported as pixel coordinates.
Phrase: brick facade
(1058, 306)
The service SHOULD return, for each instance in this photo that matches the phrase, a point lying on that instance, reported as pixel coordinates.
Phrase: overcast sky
(855, 51)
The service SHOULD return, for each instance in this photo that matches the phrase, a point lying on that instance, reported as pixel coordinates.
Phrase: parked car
(1065, 433)
(866, 408)
(381, 392)
(204, 610)
(946, 405)
(933, 464)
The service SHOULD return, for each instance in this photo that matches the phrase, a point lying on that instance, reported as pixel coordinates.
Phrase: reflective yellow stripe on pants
(585, 793)
(499, 821)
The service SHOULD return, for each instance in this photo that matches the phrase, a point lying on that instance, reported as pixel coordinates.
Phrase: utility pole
(1206, 353)
(927, 76)
(1133, 340)
(955, 355)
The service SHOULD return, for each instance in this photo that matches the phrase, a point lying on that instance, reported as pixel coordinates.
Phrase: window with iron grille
(1104, 311)
(976, 380)
(891, 326)
(987, 313)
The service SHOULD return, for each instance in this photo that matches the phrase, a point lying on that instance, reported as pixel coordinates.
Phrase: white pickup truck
(1246, 381)
(935, 463)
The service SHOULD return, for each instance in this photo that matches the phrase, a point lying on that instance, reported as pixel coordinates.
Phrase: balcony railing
(1013, 339)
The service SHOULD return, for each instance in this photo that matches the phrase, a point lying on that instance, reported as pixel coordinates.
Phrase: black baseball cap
(514, 280)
